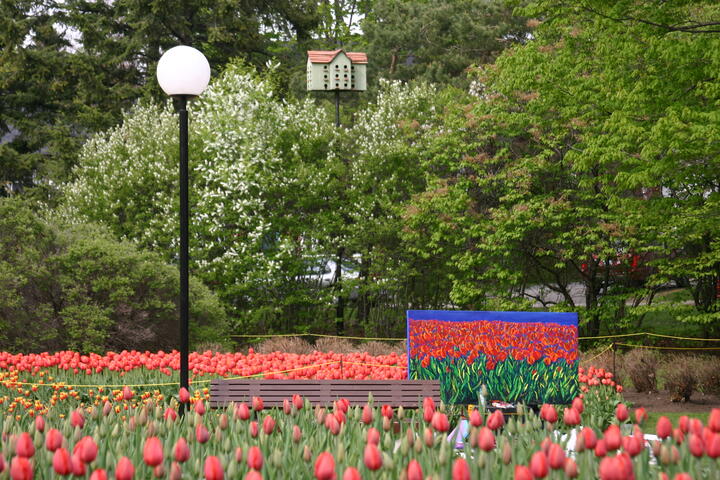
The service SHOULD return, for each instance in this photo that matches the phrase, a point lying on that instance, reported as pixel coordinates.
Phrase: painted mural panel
(528, 357)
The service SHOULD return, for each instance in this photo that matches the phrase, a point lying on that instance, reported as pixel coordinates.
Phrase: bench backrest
(408, 393)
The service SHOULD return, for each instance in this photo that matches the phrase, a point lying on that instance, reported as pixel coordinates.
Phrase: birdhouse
(336, 70)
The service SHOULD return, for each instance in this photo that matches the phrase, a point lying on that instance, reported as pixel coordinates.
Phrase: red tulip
(495, 420)
(268, 425)
(127, 393)
(621, 412)
(99, 474)
(476, 419)
(21, 469)
(255, 458)
(571, 417)
(578, 405)
(238, 454)
(556, 457)
(414, 471)
(184, 395)
(714, 420)
(589, 437)
(663, 427)
(325, 467)
(124, 469)
(213, 468)
(696, 445)
(87, 449)
(539, 465)
(297, 434)
(633, 445)
(62, 463)
(682, 476)
(343, 404)
(242, 412)
(53, 439)
(684, 423)
(181, 450)
(201, 433)
(616, 468)
(640, 415)
(696, 426)
(254, 430)
(460, 469)
(372, 458)
(428, 437)
(40, 423)
(440, 422)
(600, 448)
(613, 438)
(548, 413)
(373, 436)
(2, 462)
(428, 409)
(523, 473)
(571, 469)
(253, 475)
(170, 413)
(199, 407)
(24, 446)
(257, 403)
(351, 473)
(367, 414)
(712, 447)
(332, 424)
(486, 439)
(287, 407)
(78, 466)
(77, 419)
(153, 452)
(297, 401)
(386, 411)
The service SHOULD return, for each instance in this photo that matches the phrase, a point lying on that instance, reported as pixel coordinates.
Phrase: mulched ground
(660, 402)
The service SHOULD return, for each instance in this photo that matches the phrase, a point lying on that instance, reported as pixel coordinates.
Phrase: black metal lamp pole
(184, 256)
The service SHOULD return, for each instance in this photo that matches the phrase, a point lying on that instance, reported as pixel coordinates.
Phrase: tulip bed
(126, 432)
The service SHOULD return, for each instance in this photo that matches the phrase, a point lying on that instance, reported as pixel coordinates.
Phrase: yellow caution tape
(653, 347)
(596, 356)
(316, 335)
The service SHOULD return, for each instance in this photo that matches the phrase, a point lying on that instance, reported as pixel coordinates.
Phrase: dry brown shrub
(286, 345)
(707, 374)
(640, 367)
(598, 359)
(334, 344)
(679, 375)
(376, 348)
(401, 347)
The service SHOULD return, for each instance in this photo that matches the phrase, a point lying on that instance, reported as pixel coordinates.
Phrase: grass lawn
(651, 422)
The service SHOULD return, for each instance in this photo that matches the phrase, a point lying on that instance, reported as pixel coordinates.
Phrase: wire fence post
(342, 372)
(613, 350)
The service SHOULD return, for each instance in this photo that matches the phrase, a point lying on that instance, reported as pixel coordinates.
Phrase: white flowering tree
(273, 187)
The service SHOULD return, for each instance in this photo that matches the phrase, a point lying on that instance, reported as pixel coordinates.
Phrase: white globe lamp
(183, 71)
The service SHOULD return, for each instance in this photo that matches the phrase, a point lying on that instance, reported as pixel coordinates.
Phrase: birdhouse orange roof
(327, 56)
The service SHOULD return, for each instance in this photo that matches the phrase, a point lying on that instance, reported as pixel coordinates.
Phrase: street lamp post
(183, 73)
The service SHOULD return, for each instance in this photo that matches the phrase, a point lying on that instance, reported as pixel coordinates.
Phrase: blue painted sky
(561, 318)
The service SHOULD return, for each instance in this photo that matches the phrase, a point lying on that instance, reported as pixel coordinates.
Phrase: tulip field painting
(528, 357)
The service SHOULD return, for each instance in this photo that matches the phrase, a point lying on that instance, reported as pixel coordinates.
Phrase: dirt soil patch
(660, 402)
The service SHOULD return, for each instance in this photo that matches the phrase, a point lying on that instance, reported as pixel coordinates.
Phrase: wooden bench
(408, 393)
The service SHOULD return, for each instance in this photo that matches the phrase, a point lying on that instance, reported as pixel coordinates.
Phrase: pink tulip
(201, 433)
(351, 473)
(86, 449)
(571, 417)
(242, 412)
(213, 468)
(325, 467)
(199, 407)
(53, 439)
(184, 395)
(495, 420)
(440, 422)
(257, 403)
(367, 414)
(486, 439)
(460, 470)
(372, 457)
(181, 451)
(77, 419)
(476, 419)
(254, 430)
(714, 420)
(268, 425)
(556, 457)
(297, 401)
(578, 405)
(414, 471)
(255, 458)
(127, 393)
(99, 474)
(663, 427)
(24, 446)
(373, 436)
(523, 473)
(40, 423)
(153, 452)
(21, 469)
(62, 463)
(539, 465)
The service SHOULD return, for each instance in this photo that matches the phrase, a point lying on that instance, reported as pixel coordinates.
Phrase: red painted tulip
(254, 429)
(184, 395)
(351, 473)
(539, 465)
(414, 470)
(53, 439)
(495, 420)
(153, 452)
(613, 438)
(578, 405)
(77, 419)
(127, 393)
(201, 433)
(257, 403)
(373, 436)
(99, 474)
(523, 473)
(268, 425)
(571, 469)
(486, 439)
(460, 469)
(40, 423)
(242, 412)
(476, 420)
(589, 437)
(255, 458)
(440, 422)
(87, 449)
(21, 469)
(213, 468)
(181, 450)
(124, 469)
(297, 401)
(372, 457)
(297, 434)
(663, 427)
(367, 414)
(621, 412)
(24, 446)
(714, 420)
(556, 457)
(62, 463)
(199, 407)
(571, 417)
(325, 467)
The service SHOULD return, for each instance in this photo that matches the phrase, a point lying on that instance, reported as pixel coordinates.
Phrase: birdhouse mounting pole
(337, 108)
